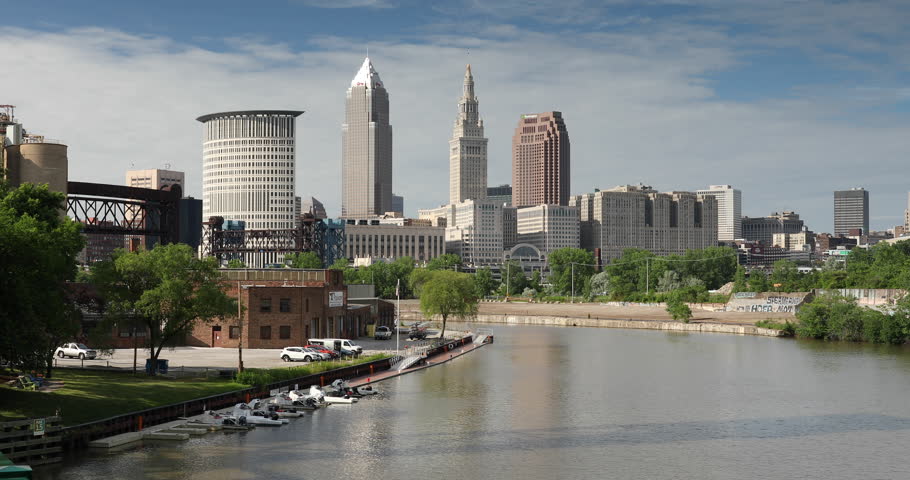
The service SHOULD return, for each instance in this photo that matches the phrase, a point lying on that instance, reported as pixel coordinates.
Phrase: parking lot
(224, 358)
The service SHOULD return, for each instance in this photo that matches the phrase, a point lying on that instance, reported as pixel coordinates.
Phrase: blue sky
(786, 100)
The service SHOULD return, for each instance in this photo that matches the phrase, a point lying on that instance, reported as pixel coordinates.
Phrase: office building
(762, 229)
(248, 171)
(851, 210)
(474, 230)
(509, 226)
(633, 216)
(397, 205)
(501, 194)
(366, 147)
(729, 211)
(393, 238)
(154, 178)
(549, 227)
(540, 161)
(467, 148)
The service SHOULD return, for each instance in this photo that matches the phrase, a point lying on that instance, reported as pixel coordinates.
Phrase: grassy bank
(265, 376)
(88, 396)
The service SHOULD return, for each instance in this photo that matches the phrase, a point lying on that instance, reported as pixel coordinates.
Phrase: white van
(336, 344)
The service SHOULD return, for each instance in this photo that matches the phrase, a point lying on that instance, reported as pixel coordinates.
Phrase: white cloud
(638, 106)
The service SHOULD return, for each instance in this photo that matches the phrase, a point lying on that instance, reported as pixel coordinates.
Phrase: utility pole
(647, 276)
(240, 323)
(573, 283)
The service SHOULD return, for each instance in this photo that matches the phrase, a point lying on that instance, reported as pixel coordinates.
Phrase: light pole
(573, 283)
(647, 276)
(240, 327)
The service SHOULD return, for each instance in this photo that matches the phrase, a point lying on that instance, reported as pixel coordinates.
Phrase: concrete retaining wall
(617, 323)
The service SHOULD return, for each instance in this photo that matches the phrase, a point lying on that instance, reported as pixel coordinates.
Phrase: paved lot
(223, 358)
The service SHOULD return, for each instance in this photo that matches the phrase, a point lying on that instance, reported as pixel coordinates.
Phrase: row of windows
(284, 305)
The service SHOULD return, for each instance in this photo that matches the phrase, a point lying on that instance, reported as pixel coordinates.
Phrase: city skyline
(709, 103)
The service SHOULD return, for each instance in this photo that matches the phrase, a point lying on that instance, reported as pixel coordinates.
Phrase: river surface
(584, 403)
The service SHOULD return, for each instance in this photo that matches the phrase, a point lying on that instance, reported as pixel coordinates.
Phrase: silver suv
(383, 333)
(76, 350)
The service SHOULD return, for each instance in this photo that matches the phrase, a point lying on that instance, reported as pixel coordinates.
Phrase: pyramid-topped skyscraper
(366, 147)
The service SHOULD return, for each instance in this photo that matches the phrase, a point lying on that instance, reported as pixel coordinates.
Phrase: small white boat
(343, 389)
(322, 396)
(246, 414)
(342, 400)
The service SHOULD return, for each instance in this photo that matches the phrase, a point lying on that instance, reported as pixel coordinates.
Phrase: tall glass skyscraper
(851, 211)
(366, 147)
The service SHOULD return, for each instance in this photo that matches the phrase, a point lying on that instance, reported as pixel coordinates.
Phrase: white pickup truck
(76, 350)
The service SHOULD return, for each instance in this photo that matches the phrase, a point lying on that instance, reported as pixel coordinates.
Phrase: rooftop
(248, 113)
(367, 76)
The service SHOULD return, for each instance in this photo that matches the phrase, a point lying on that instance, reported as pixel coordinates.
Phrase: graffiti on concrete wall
(770, 304)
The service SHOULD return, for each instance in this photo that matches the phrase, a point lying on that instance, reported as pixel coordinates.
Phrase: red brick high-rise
(540, 160)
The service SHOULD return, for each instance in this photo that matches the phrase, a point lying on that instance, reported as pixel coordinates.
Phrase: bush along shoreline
(831, 317)
(258, 377)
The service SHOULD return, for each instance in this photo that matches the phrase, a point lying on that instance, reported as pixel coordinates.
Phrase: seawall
(559, 321)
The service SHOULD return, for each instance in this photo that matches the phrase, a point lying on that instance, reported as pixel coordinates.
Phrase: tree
(600, 284)
(568, 267)
(669, 281)
(786, 275)
(677, 308)
(304, 260)
(629, 274)
(339, 264)
(739, 280)
(534, 283)
(758, 281)
(448, 261)
(484, 282)
(38, 248)
(235, 263)
(167, 290)
(448, 294)
(514, 279)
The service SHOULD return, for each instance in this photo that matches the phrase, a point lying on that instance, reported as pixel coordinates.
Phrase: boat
(341, 388)
(330, 397)
(248, 414)
(293, 401)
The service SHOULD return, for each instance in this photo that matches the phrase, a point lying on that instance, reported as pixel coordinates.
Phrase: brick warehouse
(284, 307)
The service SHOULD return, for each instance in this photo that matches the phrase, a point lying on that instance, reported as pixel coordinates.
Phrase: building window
(265, 333)
(234, 332)
(265, 305)
(285, 305)
(284, 331)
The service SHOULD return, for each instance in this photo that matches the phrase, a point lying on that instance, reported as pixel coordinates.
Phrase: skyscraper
(540, 161)
(248, 166)
(467, 148)
(851, 211)
(366, 147)
(729, 211)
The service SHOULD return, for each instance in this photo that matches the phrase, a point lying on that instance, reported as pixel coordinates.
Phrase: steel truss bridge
(121, 210)
(311, 235)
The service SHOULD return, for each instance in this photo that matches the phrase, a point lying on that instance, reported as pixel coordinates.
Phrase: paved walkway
(430, 362)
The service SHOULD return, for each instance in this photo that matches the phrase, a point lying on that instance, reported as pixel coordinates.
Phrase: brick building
(283, 307)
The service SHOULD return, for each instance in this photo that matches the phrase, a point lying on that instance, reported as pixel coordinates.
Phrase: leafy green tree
(677, 308)
(758, 281)
(448, 261)
(38, 249)
(713, 265)
(484, 282)
(600, 284)
(630, 273)
(304, 260)
(570, 266)
(785, 276)
(669, 281)
(739, 280)
(235, 263)
(514, 279)
(535, 281)
(339, 264)
(167, 289)
(448, 294)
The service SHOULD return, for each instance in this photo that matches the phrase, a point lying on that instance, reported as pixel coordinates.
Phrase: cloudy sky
(786, 100)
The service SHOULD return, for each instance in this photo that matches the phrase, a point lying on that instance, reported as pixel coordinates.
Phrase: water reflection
(579, 402)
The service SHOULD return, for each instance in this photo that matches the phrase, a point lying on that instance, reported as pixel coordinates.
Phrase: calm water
(583, 403)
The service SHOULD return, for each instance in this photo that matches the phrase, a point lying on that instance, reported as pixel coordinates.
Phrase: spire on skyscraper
(367, 76)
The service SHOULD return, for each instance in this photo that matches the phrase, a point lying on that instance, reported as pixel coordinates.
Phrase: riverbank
(647, 317)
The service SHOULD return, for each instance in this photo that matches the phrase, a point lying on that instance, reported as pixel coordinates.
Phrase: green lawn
(88, 396)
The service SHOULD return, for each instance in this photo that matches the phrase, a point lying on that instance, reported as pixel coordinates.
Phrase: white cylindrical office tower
(248, 169)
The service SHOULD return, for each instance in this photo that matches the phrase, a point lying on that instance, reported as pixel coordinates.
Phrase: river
(581, 403)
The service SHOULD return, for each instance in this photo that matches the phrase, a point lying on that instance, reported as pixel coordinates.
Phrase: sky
(787, 100)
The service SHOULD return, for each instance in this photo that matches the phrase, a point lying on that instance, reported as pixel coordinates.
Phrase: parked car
(291, 354)
(336, 344)
(417, 332)
(383, 333)
(349, 353)
(322, 349)
(76, 350)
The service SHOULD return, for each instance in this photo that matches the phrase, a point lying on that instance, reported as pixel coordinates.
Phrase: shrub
(260, 377)
(788, 327)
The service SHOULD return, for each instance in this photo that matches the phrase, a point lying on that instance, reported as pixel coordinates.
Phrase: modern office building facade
(729, 211)
(632, 216)
(501, 194)
(467, 148)
(540, 160)
(397, 204)
(366, 147)
(509, 226)
(474, 230)
(549, 227)
(851, 210)
(154, 178)
(248, 171)
(762, 229)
